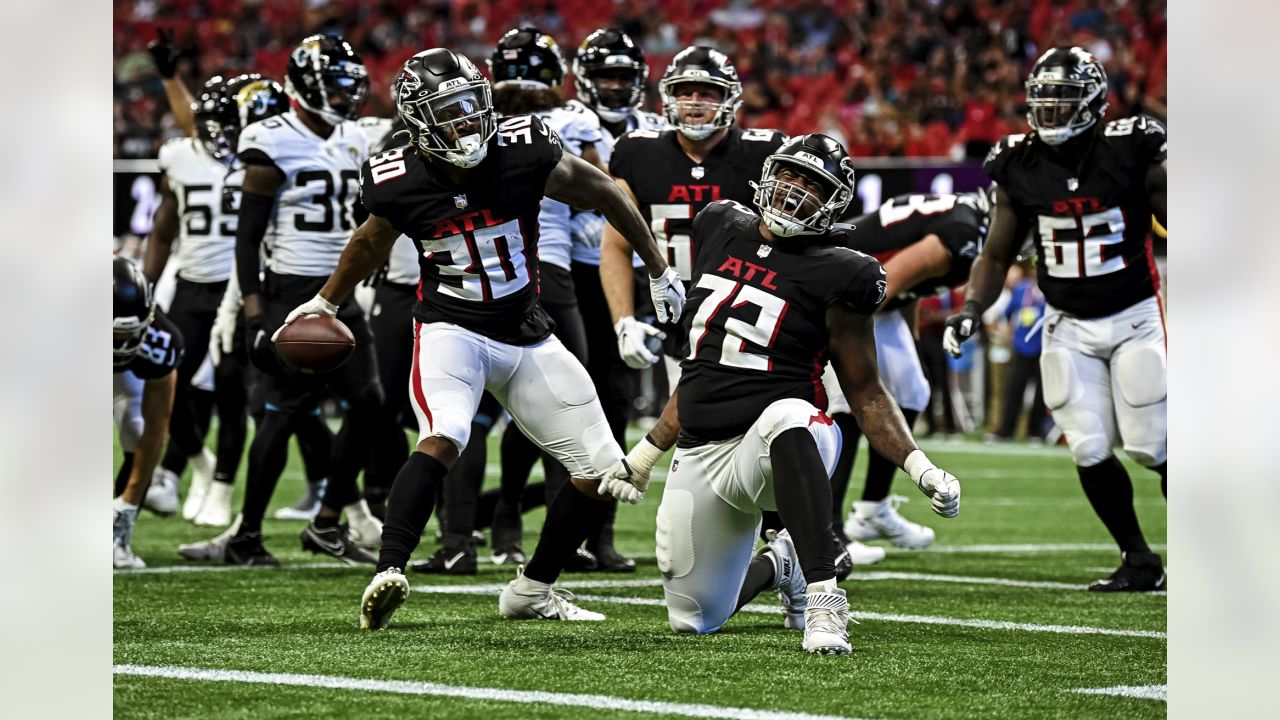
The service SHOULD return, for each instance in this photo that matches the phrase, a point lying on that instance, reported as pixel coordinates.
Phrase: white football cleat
(363, 527)
(525, 599)
(861, 554)
(216, 511)
(385, 594)
(202, 467)
(788, 579)
(122, 532)
(307, 506)
(826, 620)
(215, 548)
(876, 520)
(162, 495)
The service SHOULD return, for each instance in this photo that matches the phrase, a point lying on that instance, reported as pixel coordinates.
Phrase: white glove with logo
(941, 486)
(222, 337)
(633, 342)
(667, 293)
(315, 306)
(629, 477)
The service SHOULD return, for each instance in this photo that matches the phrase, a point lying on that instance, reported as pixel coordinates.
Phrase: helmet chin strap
(698, 132)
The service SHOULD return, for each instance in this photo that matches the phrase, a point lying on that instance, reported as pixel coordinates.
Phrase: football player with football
(1086, 190)
(468, 188)
(301, 181)
(775, 291)
(146, 350)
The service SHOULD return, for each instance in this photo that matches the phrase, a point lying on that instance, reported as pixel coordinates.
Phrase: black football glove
(164, 53)
(257, 342)
(961, 327)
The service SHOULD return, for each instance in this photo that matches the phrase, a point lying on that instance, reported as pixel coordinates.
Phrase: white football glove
(315, 306)
(942, 488)
(667, 293)
(633, 337)
(222, 337)
(629, 477)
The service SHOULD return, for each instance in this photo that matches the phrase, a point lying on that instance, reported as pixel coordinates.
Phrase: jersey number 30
(737, 333)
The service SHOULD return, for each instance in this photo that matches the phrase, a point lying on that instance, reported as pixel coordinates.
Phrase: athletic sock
(881, 470)
(267, 456)
(571, 518)
(1163, 469)
(122, 477)
(760, 577)
(1110, 491)
(852, 435)
(409, 506)
(803, 493)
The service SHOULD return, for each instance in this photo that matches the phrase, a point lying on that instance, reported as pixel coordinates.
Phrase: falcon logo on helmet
(1066, 94)
(804, 186)
(447, 107)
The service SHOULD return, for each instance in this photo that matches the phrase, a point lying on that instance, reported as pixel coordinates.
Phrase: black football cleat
(449, 561)
(843, 561)
(335, 542)
(246, 549)
(1139, 572)
(581, 560)
(608, 559)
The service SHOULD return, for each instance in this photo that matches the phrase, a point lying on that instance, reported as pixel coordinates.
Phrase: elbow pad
(254, 216)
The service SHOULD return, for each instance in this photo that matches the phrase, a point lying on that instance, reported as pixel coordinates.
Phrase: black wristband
(973, 307)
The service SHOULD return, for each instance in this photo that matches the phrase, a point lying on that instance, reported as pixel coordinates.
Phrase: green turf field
(991, 622)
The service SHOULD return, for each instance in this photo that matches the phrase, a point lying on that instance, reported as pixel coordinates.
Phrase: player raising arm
(1086, 192)
(774, 293)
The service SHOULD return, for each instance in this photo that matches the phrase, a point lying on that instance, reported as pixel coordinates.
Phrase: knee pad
(1090, 449)
(452, 426)
(674, 538)
(785, 415)
(1061, 385)
(685, 616)
(1141, 375)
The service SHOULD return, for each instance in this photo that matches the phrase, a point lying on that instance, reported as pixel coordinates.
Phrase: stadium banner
(136, 186)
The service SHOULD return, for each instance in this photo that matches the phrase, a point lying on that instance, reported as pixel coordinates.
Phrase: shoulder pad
(997, 156)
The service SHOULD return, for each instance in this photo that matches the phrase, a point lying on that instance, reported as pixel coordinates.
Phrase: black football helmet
(327, 77)
(791, 205)
(134, 309)
(225, 106)
(1066, 94)
(605, 52)
(701, 65)
(447, 106)
(527, 56)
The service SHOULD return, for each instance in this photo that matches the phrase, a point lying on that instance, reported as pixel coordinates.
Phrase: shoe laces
(827, 612)
(891, 519)
(559, 599)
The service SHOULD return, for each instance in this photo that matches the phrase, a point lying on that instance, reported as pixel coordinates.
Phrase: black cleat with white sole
(246, 549)
(1139, 572)
(335, 542)
(449, 561)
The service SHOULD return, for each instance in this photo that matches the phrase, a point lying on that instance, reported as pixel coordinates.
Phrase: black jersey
(904, 220)
(160, 353)
(671, 188)
(478, 242)
(756, 320)
(1092, 228)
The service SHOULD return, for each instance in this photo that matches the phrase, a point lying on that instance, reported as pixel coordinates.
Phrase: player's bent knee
(1089, 450)
(685, 615)
(784, 415)
(1146, 456)
(1142, 376)
(1059, 378)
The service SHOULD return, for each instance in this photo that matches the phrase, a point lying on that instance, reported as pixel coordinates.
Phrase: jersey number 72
(763, 332)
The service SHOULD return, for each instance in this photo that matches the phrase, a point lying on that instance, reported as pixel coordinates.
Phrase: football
(315, 344)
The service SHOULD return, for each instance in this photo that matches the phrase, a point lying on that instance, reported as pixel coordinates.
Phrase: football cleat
(509, 554)
(876, 520)
(216, 510)
(385, 594)
(336, 542)
(122, 532)
(581, 561)
(307, 506)
(202, 466)
(449, 561)
(788, 579)
(162, 495)
(363, 527)
(860, 554)
(1138, 572)
(826, 620)
(214, 549)
(246, 549)
(524, 599)
(608, 559)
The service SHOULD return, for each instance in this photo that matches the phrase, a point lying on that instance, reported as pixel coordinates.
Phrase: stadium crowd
(912, 78)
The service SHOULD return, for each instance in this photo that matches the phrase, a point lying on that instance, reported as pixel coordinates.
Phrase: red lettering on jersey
(679, 192)
(446, 227)
(733, 265)
(768, 279)
(468, 222)
(821, 418)
(1077, 206)
(694, 193)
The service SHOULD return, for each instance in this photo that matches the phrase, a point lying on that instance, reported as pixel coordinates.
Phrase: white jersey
(588, 227)
(403, 263)
(206, 214)
(312, 219)
(577, 127)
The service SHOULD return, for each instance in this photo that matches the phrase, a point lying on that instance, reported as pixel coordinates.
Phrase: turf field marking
(970, 580)
(493, 589)
(1140, 692)
(412, 687)
(1023, 548)
(165, 569)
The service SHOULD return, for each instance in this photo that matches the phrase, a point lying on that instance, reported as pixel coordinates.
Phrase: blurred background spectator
(1022, 320)
(916, 78)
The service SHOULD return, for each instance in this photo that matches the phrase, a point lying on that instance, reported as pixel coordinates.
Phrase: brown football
(315, 344)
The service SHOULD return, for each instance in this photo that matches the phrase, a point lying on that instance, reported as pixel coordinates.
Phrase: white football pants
(126, 408)
(544, 387)
(710, 513)
(1106, 375)
(900, 368)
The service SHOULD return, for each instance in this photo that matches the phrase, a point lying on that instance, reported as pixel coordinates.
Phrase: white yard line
(1140, 692)
(166, 569)
(1024, 548)
(494, 589)
(412, 687)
